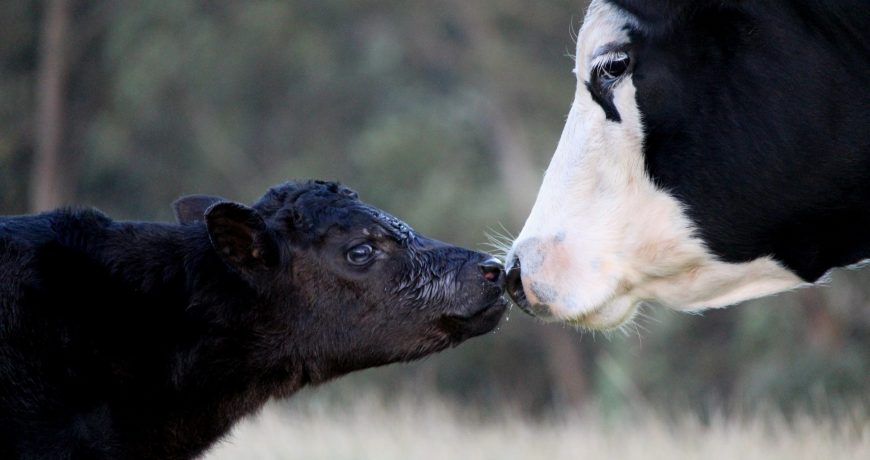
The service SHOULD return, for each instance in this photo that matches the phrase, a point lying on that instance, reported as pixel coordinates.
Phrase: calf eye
(360, 254)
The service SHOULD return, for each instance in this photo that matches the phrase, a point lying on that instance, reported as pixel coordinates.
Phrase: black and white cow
(716, 151)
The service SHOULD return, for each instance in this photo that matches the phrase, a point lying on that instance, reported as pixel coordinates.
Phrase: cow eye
(360, 254)
(610, 68)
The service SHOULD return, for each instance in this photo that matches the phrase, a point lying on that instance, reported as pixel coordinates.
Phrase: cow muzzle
(514, 288)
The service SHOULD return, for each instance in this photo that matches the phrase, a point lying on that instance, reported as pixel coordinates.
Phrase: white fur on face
(601, 237)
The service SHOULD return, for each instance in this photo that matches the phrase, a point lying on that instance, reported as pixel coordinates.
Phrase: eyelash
(600, 66)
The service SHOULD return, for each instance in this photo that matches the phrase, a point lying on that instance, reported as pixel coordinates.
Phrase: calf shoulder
(117, 339)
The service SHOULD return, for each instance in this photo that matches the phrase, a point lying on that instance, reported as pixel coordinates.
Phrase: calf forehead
(395, 227)
(289, 193)
(318, 206)
(355, 216)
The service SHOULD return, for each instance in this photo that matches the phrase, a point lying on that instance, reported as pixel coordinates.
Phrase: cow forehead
(605, 24)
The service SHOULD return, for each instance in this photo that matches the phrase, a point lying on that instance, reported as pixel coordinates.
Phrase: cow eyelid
(602, 62)
(610, 48)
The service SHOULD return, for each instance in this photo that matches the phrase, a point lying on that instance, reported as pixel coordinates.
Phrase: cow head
(681, 177)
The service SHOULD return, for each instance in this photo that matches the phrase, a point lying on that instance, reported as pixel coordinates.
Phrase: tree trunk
(50, 182)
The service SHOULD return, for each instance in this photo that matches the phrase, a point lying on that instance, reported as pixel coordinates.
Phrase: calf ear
(241, 237)
(191, 209)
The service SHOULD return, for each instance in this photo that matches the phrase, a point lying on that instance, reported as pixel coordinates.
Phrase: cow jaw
(601, 237)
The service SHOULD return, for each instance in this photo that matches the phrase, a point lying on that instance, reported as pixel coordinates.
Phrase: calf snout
(482, 280)
(481, 301)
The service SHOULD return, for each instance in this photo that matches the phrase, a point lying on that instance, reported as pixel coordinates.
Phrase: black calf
(149, 340)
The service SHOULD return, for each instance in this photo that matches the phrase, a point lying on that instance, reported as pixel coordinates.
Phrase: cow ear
(241, 237)
(191, 209)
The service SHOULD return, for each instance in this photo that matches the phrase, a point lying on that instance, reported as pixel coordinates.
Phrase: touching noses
(514, 285)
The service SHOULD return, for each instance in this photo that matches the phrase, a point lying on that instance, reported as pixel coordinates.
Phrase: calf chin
(461, 328)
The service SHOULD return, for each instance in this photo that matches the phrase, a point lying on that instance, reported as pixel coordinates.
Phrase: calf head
(347, 285)
(716, 151)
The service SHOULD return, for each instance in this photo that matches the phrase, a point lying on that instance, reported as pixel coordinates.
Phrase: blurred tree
(19, 31)
(486, 55)
(49, 183)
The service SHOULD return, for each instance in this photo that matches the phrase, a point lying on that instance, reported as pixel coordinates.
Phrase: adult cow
(716, 151)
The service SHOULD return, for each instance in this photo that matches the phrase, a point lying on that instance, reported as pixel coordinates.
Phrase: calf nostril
(491, 269)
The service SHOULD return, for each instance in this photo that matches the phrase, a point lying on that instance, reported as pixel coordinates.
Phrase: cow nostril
(492, 269)
(514, 283)
(513, 279)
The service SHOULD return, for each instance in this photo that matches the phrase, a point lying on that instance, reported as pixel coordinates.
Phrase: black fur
(149, 340)
(605, 77)
(605, 100)
(757, 118)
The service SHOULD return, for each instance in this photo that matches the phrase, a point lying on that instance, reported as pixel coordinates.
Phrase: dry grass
(432, 429)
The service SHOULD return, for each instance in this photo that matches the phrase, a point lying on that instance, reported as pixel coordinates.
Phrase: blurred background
(442, 113)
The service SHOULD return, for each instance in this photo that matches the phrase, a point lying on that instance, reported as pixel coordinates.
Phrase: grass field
(406, 428)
